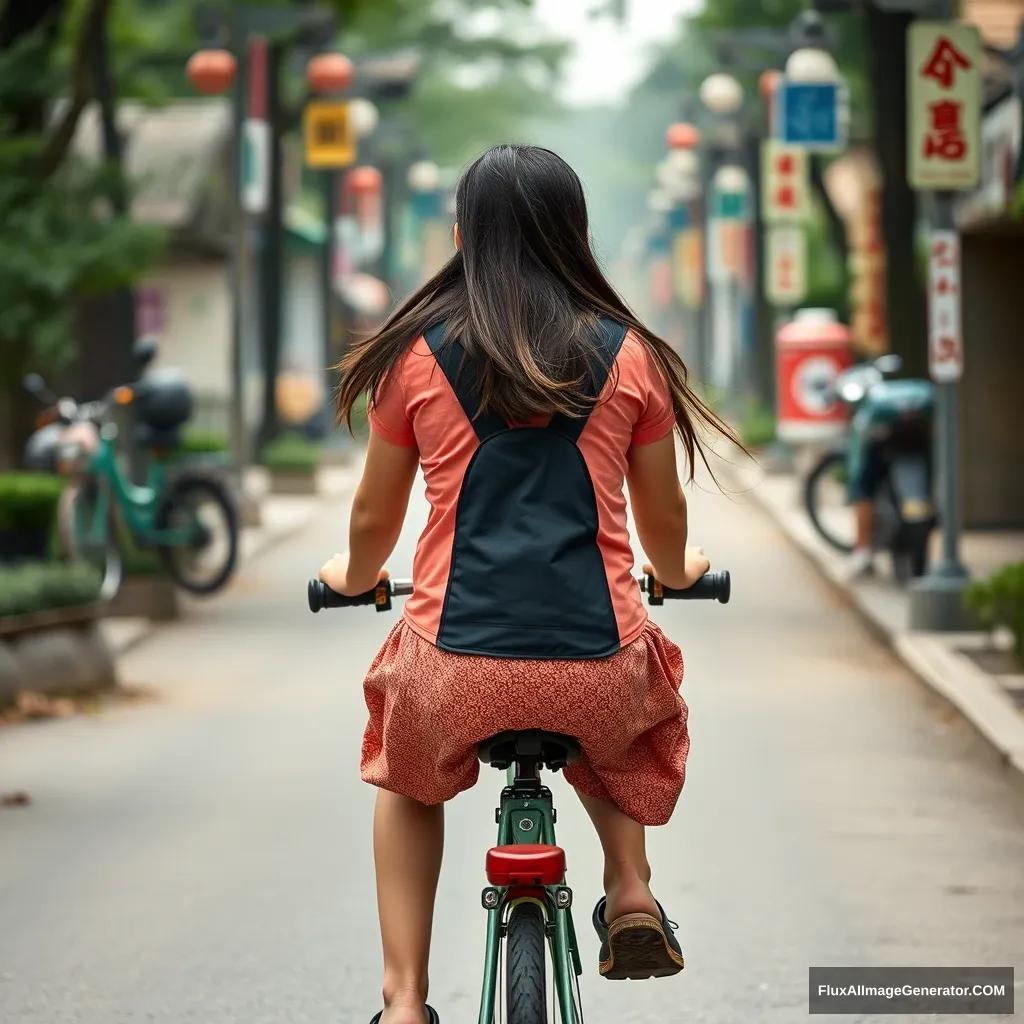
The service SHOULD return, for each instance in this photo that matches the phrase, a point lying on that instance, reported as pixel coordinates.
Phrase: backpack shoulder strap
(464, 380)
(608, 340)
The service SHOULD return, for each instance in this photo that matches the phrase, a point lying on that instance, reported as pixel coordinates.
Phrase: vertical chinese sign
(785, 206)
(944, 66)
(944, 122)
(945, 336)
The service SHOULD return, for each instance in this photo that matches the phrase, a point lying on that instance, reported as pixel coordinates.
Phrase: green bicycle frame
(137, 505)
(531, 819)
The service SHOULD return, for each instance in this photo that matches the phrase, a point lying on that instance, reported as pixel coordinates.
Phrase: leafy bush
(999, 601)
(291, 453)
(200, 442)
(28, 501)
(757, 428)
(44, 586)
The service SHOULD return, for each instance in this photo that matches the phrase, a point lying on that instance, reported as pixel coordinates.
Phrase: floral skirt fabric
(429, 709)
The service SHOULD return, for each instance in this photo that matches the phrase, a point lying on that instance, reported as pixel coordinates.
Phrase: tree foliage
(58, 239)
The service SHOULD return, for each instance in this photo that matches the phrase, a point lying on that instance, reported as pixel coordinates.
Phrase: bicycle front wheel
(83, 542)
(525, 962)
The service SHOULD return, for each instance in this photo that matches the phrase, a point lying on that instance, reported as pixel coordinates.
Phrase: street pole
(936, 600)
(944, 59)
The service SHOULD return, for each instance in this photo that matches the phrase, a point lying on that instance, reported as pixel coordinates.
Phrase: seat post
(527, 780)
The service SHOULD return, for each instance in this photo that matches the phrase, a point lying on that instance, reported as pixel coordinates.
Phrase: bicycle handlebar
(712, 586)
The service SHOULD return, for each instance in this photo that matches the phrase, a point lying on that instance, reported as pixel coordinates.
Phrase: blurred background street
(203, 205)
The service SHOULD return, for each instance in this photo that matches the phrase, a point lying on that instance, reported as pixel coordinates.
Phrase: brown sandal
(637, 946)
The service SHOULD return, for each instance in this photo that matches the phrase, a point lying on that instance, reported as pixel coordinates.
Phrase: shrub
(201, 442)
(28, 501)
(757, 428)
(291, 453)
(44, 586)
(999, 601)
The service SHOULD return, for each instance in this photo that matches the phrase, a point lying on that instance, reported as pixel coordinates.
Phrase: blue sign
(730, 206)
(808, 114)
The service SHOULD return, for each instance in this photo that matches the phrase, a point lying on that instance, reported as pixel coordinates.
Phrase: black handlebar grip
(321, 596)
(712, 586)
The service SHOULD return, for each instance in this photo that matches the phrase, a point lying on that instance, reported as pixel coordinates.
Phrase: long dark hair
(522, 295)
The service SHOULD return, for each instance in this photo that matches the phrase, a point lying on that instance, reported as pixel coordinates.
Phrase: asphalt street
(204, 855)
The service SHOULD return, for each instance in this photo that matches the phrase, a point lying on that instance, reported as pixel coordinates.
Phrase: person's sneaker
(862, 563)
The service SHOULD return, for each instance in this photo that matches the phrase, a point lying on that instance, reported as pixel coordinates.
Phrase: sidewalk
(969, 670)
(282, 517)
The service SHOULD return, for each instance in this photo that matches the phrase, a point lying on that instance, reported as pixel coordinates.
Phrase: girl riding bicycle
(528, 394)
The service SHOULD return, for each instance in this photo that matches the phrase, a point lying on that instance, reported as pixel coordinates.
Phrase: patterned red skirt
(429, 709)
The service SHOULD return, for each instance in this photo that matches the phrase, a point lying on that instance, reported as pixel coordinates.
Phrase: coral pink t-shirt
(417, 407)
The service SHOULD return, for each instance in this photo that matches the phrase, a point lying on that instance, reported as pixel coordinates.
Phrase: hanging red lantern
(364, 181)
(329, 73)
(212, 71)
(682, 136)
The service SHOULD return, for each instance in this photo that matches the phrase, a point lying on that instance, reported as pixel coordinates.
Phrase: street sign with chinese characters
(727, 249)
(808, 115)
(330, 139)
(786, 265)
(944, 116)
(945, 333)
(785, 183)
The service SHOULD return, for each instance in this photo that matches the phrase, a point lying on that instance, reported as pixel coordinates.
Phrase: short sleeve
(659, 416)
(389, 414)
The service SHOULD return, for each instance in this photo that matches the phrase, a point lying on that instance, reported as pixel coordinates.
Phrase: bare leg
(408, 840)
(863, 512)
(627, 874)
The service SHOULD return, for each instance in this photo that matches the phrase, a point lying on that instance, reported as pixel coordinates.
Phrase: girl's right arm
(659, 510)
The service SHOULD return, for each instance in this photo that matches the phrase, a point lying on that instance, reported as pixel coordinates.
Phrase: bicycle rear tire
(526, 966)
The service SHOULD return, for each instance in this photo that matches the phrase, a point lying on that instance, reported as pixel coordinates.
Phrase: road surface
(205, 856)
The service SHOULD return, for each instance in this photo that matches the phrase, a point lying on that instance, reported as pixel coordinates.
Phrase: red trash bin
(811, 351)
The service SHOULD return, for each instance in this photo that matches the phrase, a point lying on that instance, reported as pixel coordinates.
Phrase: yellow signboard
(330, 138)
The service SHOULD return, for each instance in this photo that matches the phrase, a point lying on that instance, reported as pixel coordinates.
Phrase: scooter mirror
(890, 363)
(34, 384)
(144, 351)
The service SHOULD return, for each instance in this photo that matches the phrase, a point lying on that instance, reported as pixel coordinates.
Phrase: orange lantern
(212, 71)
(682, 136)
(329, 73)
(364, 181)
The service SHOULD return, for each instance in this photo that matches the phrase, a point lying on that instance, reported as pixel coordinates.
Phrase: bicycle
(527, 901)
(162, 514)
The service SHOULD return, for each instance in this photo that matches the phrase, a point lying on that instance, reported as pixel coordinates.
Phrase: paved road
(206, 858)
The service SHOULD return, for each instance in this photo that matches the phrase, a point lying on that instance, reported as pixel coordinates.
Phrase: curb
(976, 697)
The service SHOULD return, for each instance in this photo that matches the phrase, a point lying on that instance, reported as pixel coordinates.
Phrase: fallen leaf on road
(15, 800)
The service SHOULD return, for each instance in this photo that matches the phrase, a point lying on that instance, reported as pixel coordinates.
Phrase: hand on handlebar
(334, 573)
(697, 565)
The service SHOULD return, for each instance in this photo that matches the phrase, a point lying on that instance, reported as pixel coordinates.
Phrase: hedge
(44, 586)
(999, 601)
(291, 453)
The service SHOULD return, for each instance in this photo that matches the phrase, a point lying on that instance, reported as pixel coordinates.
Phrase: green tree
(59, 239)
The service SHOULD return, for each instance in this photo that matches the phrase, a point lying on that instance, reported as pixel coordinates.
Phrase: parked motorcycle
(895, 416)
(188, 517)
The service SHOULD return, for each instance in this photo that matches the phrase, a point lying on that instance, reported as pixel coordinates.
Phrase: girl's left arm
(378, 512)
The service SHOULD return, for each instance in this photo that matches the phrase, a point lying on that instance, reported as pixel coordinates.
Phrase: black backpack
(527, 579)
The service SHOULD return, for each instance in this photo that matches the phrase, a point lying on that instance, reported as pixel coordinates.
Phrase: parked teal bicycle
(527, 901)
(186, 515)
